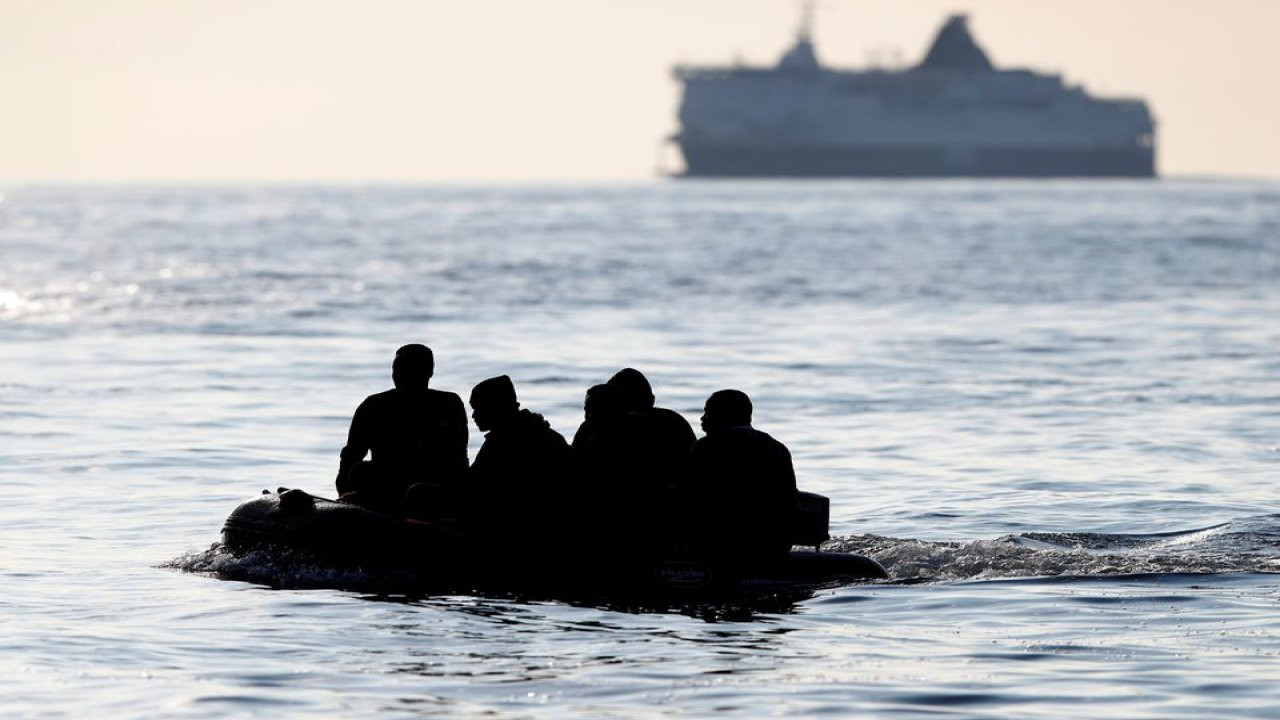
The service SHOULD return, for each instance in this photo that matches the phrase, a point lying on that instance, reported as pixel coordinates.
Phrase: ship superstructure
(952, 114)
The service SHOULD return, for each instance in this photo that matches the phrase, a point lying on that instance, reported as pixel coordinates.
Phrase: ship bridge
(955, 49)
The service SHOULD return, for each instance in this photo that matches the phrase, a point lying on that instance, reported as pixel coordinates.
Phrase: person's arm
(357, 446)
(788, 469)
(684, 431)
(456, 442)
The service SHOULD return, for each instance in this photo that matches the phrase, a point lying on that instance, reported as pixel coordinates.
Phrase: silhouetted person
(742, 484)
(631, 456)
(624, 487)
(413, 434)
(667, 435)
(522, 473)
(600, 439)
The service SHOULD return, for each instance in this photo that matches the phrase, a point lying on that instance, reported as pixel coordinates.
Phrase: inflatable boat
(446, 557)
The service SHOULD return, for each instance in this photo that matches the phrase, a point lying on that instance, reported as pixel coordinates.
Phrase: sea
(1050, 409)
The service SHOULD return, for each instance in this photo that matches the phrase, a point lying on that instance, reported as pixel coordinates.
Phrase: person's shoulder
(584, 435)
(536, 428)
(762, 435)
(669, 416)
(381, 398)
(528, 421)
(557, 437)
(770, 441)
(748, 435)
(444, 397)
(713, 441)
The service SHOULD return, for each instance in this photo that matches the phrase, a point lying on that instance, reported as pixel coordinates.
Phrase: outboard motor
(810, 520)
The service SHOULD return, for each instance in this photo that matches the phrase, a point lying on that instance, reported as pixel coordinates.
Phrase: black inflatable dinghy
(339, 534)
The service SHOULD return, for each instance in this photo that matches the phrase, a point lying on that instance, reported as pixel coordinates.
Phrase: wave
(280, 568)
(1246, 545)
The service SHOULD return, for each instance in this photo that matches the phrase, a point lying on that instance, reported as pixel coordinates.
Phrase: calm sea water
(1051, 410)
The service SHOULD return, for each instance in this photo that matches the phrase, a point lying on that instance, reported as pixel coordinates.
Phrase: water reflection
(550, 642)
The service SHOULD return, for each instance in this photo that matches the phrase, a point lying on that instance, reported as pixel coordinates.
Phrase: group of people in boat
(634, 476)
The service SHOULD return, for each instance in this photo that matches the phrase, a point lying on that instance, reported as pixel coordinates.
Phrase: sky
(549, 90)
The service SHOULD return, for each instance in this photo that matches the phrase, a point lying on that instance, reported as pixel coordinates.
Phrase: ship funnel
(955, 49)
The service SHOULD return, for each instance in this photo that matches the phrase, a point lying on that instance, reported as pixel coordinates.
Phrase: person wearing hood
(631, 456)
(522, 472)
(665, 435)
(624, 484)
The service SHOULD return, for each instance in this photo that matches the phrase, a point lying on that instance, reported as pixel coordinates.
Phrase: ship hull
(702, 160)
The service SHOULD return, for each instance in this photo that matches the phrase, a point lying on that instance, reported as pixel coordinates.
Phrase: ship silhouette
(954, 114)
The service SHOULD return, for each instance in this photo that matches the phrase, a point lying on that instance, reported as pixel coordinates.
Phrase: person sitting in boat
(624, 492)
(522, 473)
(741, 485)
(599, 443)
(414, 434)
(669, 435)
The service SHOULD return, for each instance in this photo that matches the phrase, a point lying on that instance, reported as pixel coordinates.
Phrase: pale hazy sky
(473, 90)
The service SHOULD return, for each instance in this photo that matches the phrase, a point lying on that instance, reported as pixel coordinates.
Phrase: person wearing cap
(742, 484)
(412, 433)
(522, 471)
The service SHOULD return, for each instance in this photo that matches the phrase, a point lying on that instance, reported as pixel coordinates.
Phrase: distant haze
(417, 90)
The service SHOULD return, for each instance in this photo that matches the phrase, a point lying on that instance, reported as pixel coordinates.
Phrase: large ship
(953, 114)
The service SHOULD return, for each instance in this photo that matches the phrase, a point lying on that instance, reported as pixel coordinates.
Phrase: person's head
(413, 367)
(726, 409)
(635, 391)
(492, 401)
(603, 404)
